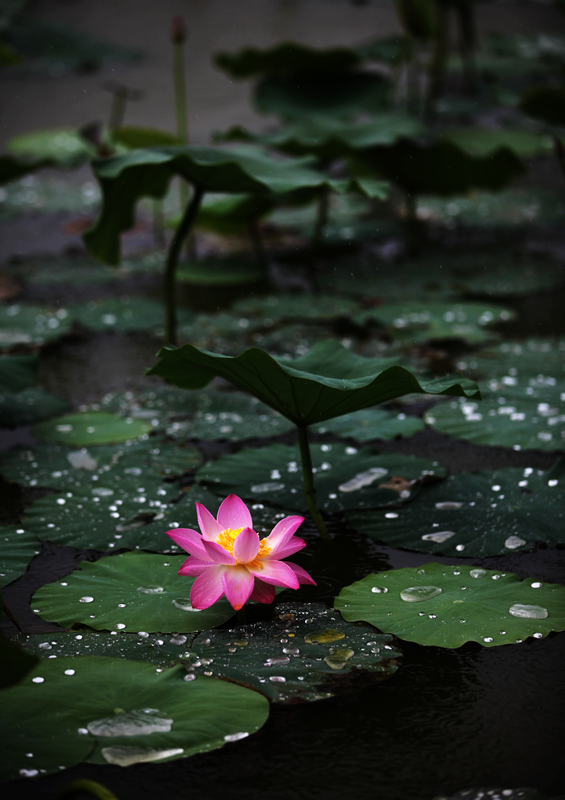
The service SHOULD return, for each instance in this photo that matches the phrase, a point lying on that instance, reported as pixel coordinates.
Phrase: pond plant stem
(178, 38)
(84, 786)
(181, 233)
(308, 476)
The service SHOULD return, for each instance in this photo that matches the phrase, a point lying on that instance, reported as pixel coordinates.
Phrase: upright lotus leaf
(485, 143)
(327, 382)
(306, 653)
(125, 179)
(329, 138)
(442, 167)
(130, 592)
(479, 514)
(446, 606)
(323, 94)
(346, 478)
(110, 710)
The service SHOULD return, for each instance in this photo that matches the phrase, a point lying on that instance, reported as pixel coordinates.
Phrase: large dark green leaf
(332, 137)
(345, 477)
(31, 325)
(129, 592)
(446, 606)
(63, 147)
(481, 514)
(110, 710)
(441, 167)
(327, 382)
(285, 58)
(15, 663)
(485, 143)
(90, 428)
(20, 402)
(372, 423)
(127, 178)
(306, 653)
(17, 548)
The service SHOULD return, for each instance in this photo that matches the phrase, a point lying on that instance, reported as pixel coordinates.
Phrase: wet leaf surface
(445, 606)
(17, 548)
(306, 653)
(91, 428)
(110, 710)
(345, 477)
(31, 325)
(372, 423)
(480, 514)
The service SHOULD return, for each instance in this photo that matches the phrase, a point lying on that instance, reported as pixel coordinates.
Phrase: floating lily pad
(209, 414)
(306, 653)
(110, 710)
(162, 650)
(62, 147)
(20, 402)
(17, 548)
(129, 592)
(90, 428)
(221, 272)
(446, 606)
(31, 325)
(480, 514)
(372, 423)
(291, 307)
(345, 477)
(327, 382)
(422, 321)
(124, 314)
(481, 142)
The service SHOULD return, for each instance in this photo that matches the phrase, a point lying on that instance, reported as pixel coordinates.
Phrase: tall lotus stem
(181, 233)
(308, 476)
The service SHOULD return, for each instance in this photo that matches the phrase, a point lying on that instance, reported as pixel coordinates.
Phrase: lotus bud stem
(308, 476)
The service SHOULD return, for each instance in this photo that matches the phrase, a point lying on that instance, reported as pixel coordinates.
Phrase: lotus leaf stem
(308, 476)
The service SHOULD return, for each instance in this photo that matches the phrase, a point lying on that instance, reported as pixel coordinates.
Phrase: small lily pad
(221, 272)
(446, 606)
(480, 514)
(17, 548)
(306, 653)
(110, 710)
(62, 147)
(90, 428)
(372, 423)
(345, 477)
(422, 321)
(31, 325)
(291, 307)
(124, 314)
(129, 592)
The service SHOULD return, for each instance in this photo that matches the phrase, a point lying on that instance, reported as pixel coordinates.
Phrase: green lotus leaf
(20, 402)
(485, 143)
(91, 427)
(323, 94)
(232, 213)
(345, 476)
(372, 423)
(221, 272)
(442, 167)
(110, 710)
(480, 514)
(209, 414)
(446, 606)
(62, 147)
(13, 168)
(306, 653)
(327, 382)
(330, 138)
(129, 592)
(31, 325)
(273, 309)
(15, 663)
(123, 314)
(17, 548)
(424, 321)
(162, 650)
(125, 179)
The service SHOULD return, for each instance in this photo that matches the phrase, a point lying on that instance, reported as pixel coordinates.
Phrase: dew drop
(190, 677)
(138, 722)
(150, 589)
(438, 537)
(478, 573)
(277, 679)
(526, 611)
(29, 773)
(119, 626)
(86, 599)
(449, 506)
(536, 585)
(37, 680)
(379, 590)
(514, 542)
(180, 639)
(184, 604)
(417, 594)
(538, 635)
(488, 639)
(235, 737)
(69, 672)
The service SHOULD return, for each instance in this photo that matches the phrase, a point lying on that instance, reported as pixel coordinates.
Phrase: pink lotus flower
(229, 558)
